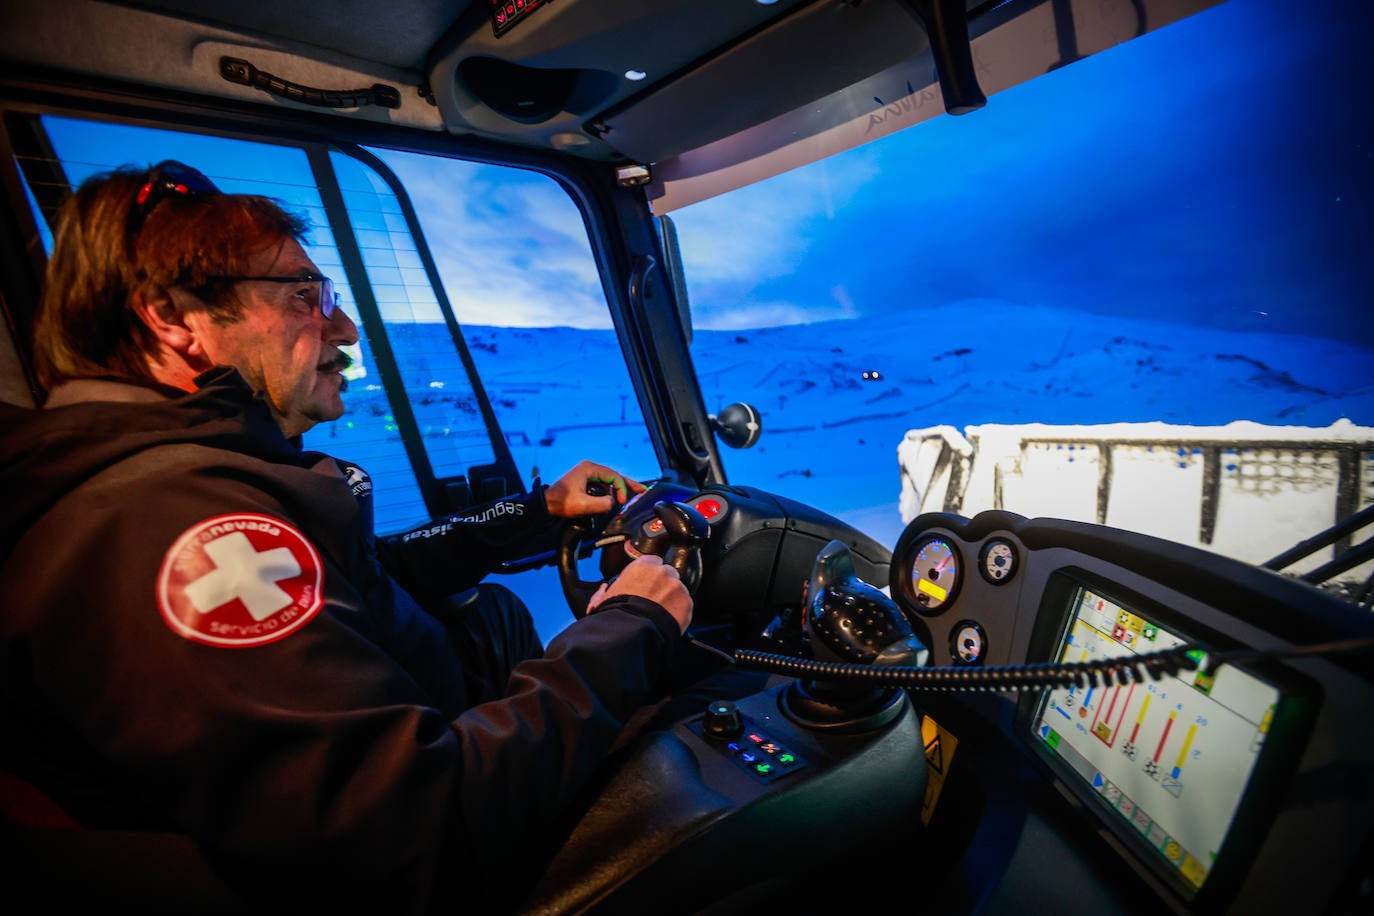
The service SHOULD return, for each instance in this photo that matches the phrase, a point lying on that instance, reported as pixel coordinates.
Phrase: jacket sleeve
(448, 555)
(313, 768)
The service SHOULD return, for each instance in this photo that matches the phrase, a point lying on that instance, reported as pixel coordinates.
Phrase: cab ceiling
(397, 33)
(557, 79)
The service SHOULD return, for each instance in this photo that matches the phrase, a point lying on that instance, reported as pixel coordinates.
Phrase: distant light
(765, 2)
(436, 384)
(635, 75)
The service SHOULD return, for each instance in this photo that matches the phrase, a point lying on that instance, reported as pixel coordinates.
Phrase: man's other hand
(648, 577)
(568, 497)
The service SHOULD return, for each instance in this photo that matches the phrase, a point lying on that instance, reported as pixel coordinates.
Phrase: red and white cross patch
(239, 581)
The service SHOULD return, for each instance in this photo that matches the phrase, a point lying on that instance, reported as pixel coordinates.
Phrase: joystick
(849, 621)
(677, 535)
(653, 522)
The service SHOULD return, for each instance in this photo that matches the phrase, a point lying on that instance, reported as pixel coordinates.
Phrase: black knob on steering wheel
(687, 531)
(674, 531)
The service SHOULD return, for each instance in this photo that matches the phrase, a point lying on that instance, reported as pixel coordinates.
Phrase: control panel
(759, 750)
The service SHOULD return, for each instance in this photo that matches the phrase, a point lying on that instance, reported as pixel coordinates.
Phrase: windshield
(1068, 295)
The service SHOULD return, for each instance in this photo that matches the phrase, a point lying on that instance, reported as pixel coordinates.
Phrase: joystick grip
(677, 535)
(687, 530)
(849, 621)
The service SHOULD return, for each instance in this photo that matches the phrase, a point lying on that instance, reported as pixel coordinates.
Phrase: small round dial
(998, 561)
(935, 573)
(968, 643)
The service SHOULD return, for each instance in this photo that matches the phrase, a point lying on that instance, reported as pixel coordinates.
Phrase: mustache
(339, 363)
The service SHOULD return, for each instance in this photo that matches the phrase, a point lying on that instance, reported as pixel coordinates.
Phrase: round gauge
(935, 574)
(997, 561)
(968, 643)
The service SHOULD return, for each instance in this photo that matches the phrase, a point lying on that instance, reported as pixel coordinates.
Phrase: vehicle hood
(89, 425)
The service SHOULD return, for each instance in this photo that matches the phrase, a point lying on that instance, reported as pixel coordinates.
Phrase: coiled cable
(1100, 672)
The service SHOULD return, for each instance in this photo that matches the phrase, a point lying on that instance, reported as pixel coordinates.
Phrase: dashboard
(1231, 784)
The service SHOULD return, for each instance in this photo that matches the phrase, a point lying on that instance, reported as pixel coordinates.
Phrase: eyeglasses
(328, 299)
(167, 179)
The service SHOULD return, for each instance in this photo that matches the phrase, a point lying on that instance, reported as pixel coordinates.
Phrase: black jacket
(295, 712)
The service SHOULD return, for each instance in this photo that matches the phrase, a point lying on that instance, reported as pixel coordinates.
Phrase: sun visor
(1011, 44)
(794, 61)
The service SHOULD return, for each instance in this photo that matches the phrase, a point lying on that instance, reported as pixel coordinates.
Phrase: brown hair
(85, 327)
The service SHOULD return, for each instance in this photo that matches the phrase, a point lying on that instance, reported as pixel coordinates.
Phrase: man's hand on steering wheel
(569, 496)
(649, 577)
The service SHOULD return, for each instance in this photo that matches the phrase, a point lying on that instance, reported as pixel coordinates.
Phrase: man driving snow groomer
(201, 635)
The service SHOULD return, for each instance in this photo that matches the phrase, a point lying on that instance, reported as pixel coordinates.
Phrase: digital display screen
(1171, 758)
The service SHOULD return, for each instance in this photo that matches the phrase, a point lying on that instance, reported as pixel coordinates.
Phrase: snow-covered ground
(830, 436)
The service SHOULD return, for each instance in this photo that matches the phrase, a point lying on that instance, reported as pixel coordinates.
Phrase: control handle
(677, 535)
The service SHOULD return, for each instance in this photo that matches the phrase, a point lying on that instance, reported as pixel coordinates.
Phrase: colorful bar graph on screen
(1183, 754)
(1173, 713)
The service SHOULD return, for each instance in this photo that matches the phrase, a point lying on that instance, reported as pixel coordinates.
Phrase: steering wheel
(657, 522)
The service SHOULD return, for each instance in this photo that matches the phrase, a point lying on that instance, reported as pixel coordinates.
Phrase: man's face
(282, 345)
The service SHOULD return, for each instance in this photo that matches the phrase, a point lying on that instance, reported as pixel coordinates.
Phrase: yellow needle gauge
(935, 572)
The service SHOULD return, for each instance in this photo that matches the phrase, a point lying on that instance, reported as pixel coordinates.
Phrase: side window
(512, 251)
(432, 390)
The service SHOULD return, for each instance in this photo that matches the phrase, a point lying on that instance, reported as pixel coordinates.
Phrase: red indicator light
(709, 508)
(500, 16)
